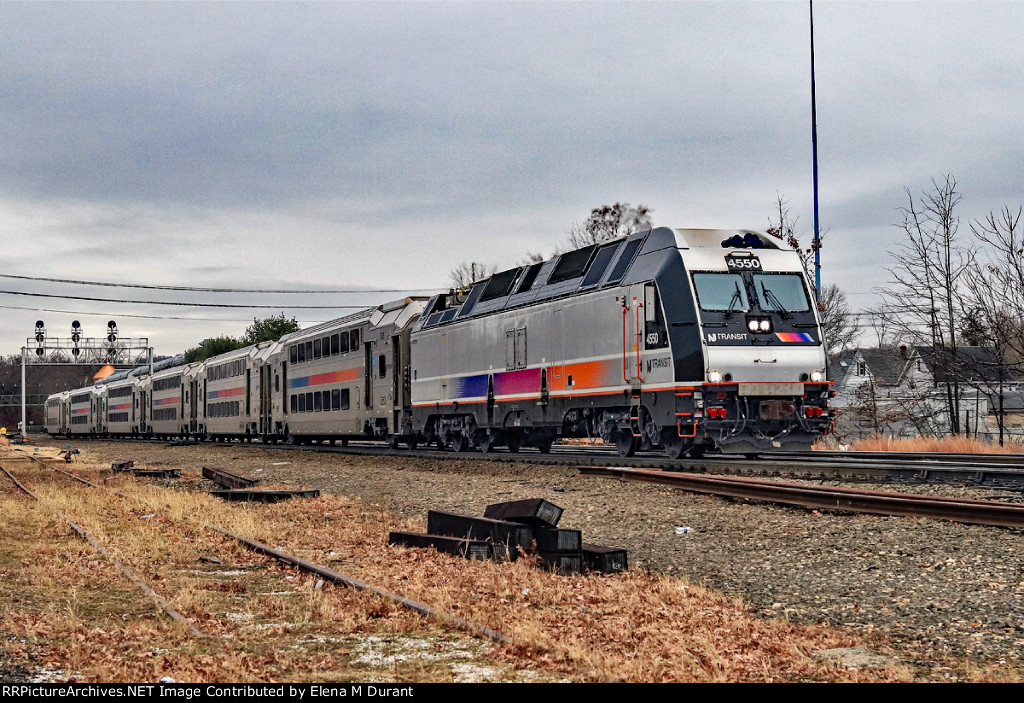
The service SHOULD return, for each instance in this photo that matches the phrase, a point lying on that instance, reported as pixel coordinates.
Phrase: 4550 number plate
(743, 263)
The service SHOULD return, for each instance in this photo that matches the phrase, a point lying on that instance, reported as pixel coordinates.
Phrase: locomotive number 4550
(743, 262)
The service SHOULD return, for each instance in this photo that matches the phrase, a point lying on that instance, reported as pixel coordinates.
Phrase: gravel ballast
(934, 588)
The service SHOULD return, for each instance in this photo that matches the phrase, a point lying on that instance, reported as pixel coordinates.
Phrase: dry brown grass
(953, 445)
(272, 623)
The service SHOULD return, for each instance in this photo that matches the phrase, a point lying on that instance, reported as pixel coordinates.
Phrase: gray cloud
(382, 143)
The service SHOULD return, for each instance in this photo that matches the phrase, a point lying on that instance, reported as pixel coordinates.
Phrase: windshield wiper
(736, 298)
(774, 300)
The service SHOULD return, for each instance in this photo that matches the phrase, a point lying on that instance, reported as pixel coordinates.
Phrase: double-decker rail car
(225, 408)
(630, 342)
(121, 404)
(85, 411)
(166, 401)
(55, 421)
(348, 378)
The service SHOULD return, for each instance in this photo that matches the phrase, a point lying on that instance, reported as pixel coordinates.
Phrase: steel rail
(978, 512)
(123, 569)
(329, 574)
(841, 466)
(344, 580)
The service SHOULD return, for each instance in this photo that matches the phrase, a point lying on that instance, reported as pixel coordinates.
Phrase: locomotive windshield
(781, 292)
(721, 292)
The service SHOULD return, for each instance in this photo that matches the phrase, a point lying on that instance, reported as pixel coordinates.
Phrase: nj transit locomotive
(684, 340)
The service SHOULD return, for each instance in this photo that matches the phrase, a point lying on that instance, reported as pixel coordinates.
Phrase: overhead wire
(199, 289)
(141, 317)
(183, 304)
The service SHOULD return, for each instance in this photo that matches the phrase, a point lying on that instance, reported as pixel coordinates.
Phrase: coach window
(335, 346)
(295, 403)
(382, 362)
(317, 404)
(302, 353)
(309, 402)
(293, 354)
(316, 348)
(336, 399)
(344, 399)
(309, 350)
(344, 342)
(302, 402)
(326, 344)
(354, 345)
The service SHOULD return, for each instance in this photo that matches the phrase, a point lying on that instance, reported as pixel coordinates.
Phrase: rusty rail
(344, 580)
(123, 569)
(976, 512)
(310, 567)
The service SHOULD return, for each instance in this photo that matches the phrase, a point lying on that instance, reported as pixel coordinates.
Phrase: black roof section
(581, 270)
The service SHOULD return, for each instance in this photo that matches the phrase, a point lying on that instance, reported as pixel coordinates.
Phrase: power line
(140, 317)
(181, 304)
(196, 289)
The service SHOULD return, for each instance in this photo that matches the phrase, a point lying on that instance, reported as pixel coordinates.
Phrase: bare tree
(885, 336)
(995, 291)
(837, 323)
(784, 229)
(924, 297)
(469, 272)
(609, 222)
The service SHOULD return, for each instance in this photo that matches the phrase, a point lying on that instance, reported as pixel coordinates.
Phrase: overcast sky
(377, 145)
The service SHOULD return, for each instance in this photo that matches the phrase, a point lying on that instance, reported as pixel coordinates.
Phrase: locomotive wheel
(486, 441)
(460, 443)
(514, 444)
(544, 446)
(625, 443)
(675, 447)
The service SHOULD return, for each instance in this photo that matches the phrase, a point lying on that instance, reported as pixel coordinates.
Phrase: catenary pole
(814, 151)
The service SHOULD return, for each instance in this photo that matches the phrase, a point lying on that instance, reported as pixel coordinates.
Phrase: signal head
(39, 324)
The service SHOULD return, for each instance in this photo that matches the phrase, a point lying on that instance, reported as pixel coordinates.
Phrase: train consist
(683, 340)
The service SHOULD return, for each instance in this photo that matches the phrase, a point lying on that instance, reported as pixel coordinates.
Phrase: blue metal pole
(814, 150)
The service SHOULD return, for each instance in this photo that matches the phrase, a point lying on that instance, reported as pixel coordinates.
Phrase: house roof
(969, 364)
(885, 365)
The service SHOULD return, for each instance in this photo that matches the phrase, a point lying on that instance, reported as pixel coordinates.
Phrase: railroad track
(997, 471)
(252, 545)
(978, 512)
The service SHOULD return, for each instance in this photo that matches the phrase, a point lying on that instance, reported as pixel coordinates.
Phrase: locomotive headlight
(715, 377)
(816, 376)
(765, 325)
(752, 325)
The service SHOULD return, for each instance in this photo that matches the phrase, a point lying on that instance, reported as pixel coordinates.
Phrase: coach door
(396, 383)
(143, 414)
(265, 399)
(368, 376)
(193, 404)
(632, 321)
